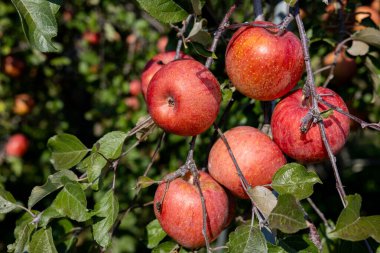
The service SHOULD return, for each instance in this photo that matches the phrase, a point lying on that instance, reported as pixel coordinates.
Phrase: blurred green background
(85, 90)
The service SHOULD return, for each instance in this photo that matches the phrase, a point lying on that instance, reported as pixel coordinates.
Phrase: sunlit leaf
(155, 233)
(67, 151)
(247, 239)
(166, 11)
(197, 6)
(350, 226)
(111, 144)
(107, 209)
(7, 201)
(42, 242)
(291, 2)
(371, 36)
(287, 216)
(71, 202)
(358, 48)
(293, 178)
(38, 22)
(263, 198)
(169, 247)
(23, 230)
(53, 183)
(145, 182)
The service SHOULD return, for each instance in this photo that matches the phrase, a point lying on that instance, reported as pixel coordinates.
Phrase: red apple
(23, 104)
(366, 12)
(92, 38)
(162, 43)
(155, 64)
(135, 87)
(345, 68)
(263, 65)
(183, 97)
(286, 122)
(256, 154)
(181, 214)
(13, 66)
(17, 145)
(132, 102)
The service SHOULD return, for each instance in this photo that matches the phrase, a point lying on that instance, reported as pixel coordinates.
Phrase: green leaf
(7, 201)
(168, 247)
(247, 239)
(49, 213)
(263, 198)
(350, 226)
(111, 144)
(371, 36)
(155, 233)
(145, 182)
(53, 183)
(71, 202)
(291, 2)
(38, 22)
(198, 34)
(22, 233)
(197, 6)
(287, 216)
(358, 48)
(107, 209)
(327, 113)
(42, 242)
(275, 249)
(67, 151)
(166, 11)
(293, 178)
(93, 164)
(199, 49)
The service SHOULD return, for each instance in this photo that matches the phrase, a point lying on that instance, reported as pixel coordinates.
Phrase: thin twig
(181, 36)
(258, 9)
(319, 212)
(311, 93)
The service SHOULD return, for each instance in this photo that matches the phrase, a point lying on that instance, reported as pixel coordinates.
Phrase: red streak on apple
(181, 215)
(263, 65)
(286, 122)
(256, 154)
(184, 97)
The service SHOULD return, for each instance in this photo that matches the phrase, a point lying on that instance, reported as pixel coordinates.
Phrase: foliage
(82, 180)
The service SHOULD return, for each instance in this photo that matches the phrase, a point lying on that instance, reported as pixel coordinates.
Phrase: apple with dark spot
(308, 147)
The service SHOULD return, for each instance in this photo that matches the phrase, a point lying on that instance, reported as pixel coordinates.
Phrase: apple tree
(189, 126)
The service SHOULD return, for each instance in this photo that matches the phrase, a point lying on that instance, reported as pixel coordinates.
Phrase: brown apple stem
(337, 51)
(219, 32)
(363, 124)
(258, 9)
(267, 107)
(310, 91)
(319, 212)
(285, 23)
(181, 36)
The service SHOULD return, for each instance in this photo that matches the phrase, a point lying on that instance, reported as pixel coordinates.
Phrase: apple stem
(310, 91)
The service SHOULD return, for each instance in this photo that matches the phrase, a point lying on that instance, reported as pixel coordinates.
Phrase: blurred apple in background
(23, 104)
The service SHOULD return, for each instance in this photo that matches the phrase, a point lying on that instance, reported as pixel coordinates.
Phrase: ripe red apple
(183, 97)
(135, 87)
(92, 38)
(132, 102)
(17, 145)
(345, 68)
(181, 214)
(23, 104)
(13, 66)
(263, 65)
(286, 122)
(256, 154)
(155, 64)
(162, 43)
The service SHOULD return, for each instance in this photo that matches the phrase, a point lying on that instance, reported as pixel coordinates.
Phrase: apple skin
(92, 38)
(345, 68)
(308, 148)
(263, 65)
(181, 215)
(135, 87)
(155, 64)
(162, 43)
(257, 155)
(17, 145)
(23, 104)
(13, 66)
(367, 12)
(184, 97)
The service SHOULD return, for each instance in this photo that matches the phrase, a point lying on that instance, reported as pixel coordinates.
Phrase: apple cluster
(183, 98)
